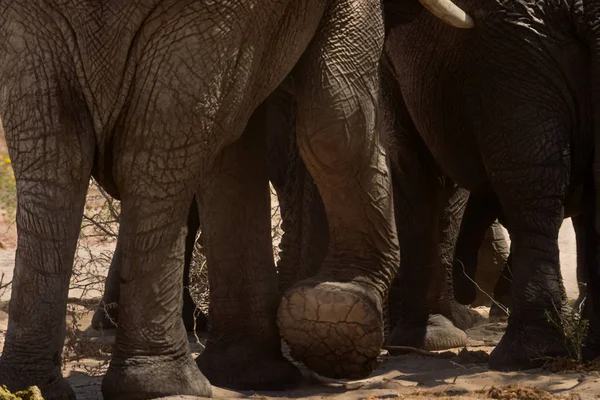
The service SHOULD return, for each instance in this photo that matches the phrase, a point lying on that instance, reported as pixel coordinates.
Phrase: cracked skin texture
(151, 98)
(335, 329)
(512, 110)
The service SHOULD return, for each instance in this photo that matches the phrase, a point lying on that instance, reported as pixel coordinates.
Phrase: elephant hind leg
(243, 351)
(51, 155)
(107, 313)
(154, 172)
(532, 199)
(480, 212)
(428, 215)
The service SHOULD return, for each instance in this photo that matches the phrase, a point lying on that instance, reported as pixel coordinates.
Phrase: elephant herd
(395, 133)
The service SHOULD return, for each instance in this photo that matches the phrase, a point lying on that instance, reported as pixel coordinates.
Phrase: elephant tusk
(448, 12)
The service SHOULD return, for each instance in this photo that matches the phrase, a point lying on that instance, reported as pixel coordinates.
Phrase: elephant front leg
(333, 321)
(244, 347)
(51, 146)
(305, 237)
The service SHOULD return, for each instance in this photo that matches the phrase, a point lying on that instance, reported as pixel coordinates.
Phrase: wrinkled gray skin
(496, 279)
(305, 238)
(510, 112)
(305, 234)
(151, 98)
(491, 259)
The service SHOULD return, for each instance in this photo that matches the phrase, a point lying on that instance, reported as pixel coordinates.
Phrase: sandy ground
(402, 376)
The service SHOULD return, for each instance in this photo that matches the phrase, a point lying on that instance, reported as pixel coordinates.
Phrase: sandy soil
(401, 376)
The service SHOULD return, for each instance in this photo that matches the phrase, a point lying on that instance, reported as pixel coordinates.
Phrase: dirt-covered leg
(333, 321)
(51, 144)
(244, 347)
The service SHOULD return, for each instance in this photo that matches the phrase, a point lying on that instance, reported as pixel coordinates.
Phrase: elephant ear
(402, 11)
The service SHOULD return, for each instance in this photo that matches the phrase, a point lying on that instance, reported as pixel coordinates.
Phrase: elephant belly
(182, 77)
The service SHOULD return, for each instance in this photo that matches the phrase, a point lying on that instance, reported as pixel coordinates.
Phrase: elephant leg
(191, 317)
(107, 314)
(462, 317)
(422, 309)
(333, 321)
(532, 198)
(52, 156)
(491, 261)
(502, 293)
(428, 215)
(244, 347)
(481, 211)
(305, 236)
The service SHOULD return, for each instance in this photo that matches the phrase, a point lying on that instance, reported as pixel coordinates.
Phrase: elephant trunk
(448, 12)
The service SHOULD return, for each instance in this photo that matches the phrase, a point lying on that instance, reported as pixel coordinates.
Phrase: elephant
(479, 212)
(157, 100)
(511, 114)
(305, 235)
(491, 260)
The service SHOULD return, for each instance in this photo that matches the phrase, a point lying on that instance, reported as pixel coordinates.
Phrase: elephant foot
(335, 329)
(145, 378)
(52, 385)
(248, 366)
(105, 316)
(437, 333)
(462, 317)
(526, 346)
